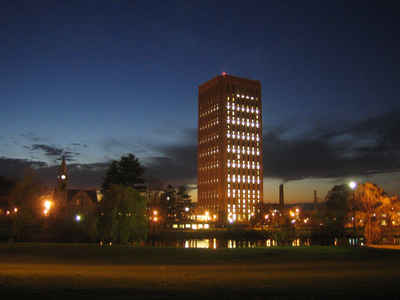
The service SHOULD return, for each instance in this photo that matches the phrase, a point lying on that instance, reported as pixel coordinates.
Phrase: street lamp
(353, 185)
(47, 205)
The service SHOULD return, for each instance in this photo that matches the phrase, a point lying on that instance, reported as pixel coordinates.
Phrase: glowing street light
(78, 218)
(155, 212)
(186, 209)
(352, 185)
(47, 205)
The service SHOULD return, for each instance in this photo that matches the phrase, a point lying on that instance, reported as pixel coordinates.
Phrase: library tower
(230, 170)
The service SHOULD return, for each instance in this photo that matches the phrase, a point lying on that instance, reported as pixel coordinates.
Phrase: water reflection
(214, 243)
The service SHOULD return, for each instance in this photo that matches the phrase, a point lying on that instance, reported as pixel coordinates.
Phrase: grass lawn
(68, 271)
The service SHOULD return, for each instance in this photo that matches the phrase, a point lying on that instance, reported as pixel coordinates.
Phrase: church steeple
(62, 177)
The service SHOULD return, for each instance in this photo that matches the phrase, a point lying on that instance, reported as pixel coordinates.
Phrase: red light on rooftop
(224, 74)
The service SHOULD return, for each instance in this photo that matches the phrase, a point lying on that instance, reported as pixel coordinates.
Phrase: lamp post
(353, 185)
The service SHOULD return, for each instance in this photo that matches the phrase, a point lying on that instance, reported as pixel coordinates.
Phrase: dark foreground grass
(77, 271)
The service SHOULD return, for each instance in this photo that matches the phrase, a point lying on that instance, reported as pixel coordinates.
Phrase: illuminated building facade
(230, 172)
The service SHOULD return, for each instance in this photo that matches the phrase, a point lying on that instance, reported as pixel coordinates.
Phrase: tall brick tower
(230, 172)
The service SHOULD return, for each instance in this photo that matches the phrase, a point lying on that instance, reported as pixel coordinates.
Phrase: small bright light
(47, 204)
(45, 212)
(155, 212)
(186, 209)
(155, 219)
(63, 177)
(77, 218)
(15, 209)
(352, 185)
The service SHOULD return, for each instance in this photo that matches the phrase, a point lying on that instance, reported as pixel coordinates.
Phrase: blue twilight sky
(96, 79)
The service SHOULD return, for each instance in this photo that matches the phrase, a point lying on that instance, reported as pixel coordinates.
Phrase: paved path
(392, 247)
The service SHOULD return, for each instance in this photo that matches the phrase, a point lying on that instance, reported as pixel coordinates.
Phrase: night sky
(93, 80)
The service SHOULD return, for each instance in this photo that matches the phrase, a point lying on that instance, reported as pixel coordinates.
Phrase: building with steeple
(76, 199)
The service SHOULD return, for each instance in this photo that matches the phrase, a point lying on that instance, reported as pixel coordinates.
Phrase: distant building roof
(71, 193)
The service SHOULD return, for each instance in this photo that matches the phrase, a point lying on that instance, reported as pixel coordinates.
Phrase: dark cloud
(55, 153)
(47, 149)
(325, 151)
(353, 148)
(13, 168)
(178, 165)
(80, 175)
(359, 148)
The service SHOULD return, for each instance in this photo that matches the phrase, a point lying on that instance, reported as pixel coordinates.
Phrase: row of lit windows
(250, 204)
(209, 138)
(212, 194)
(250, 179)
(243, 210)
(244, 196)
(209, 167)
(233, 115)
(243, 122)
(242, 150)
(211, 151)
(214, 108)
(244, 97)
(236, 135)
(242, 108)
(209, 181)
(210, 124)
(244, 201)
(244, 192)
(237, 164)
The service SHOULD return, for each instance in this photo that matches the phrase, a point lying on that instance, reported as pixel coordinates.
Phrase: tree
(25, 196)
(370, 199)
(127, 171)
(339, 204)
(123, 218)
